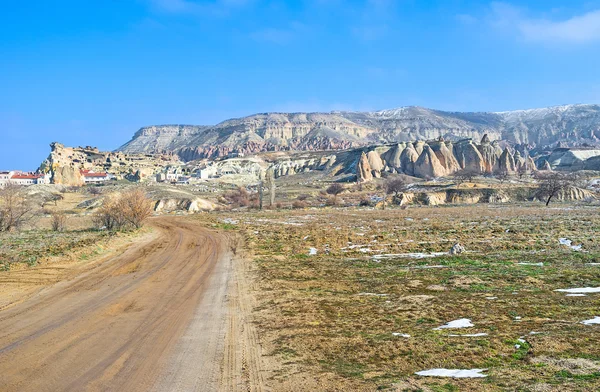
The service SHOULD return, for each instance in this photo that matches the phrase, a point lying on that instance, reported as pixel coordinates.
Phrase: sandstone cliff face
(506, 162)
(408, 157)
(363, 169)
(428, 165)
(468, 156)
(571, 124)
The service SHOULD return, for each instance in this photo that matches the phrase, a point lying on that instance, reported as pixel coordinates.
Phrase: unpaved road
(168, 314)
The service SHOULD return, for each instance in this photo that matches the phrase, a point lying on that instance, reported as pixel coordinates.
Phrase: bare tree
(465, 175)
(551, 184)
(523, 172)
(13, 209)
(335, 189)
(503, 176)
(394, 186)
(58, 221)
(270, 180)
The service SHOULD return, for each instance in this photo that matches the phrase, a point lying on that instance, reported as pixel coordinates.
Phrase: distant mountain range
(569, 125)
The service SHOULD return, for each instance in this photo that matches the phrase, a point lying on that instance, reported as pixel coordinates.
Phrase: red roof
(25, 176)
(86, 173)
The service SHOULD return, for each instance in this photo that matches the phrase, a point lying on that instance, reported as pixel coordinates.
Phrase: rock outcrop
(468, 156)
(506, 162)
(364, 172)
(428, 165)
(65, 163)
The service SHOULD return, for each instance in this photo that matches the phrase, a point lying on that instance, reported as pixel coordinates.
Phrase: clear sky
(93, 72)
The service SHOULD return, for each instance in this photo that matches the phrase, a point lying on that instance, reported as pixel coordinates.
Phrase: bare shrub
(58, 221)
(299, 204)
(128, 210)
(239, 197)
(13, 209)
(94, 190)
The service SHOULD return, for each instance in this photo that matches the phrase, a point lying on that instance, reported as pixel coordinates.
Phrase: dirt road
(165, 315)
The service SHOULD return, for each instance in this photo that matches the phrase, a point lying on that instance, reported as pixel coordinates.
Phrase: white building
(5, 177)
(90, 177)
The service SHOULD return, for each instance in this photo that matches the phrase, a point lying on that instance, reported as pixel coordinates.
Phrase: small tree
(58, 221)
(465, 175)
(394, 186)
(552, 184)
(335, 189)
(13, 209)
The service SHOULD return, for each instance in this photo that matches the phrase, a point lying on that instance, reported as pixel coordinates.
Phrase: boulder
(457, 249)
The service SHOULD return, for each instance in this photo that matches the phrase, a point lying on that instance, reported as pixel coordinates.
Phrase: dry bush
(239, 197)
(299, 204)
(58, 221)
(94, 190)
(13, 209)
(128, 210)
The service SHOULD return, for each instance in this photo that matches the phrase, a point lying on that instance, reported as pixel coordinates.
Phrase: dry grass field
(359, 310)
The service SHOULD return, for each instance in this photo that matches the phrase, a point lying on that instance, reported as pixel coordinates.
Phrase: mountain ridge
(569, 125)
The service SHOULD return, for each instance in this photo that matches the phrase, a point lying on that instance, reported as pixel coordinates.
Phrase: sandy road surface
(166, 315)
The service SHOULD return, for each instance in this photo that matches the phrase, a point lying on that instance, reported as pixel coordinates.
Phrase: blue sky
(93, 72)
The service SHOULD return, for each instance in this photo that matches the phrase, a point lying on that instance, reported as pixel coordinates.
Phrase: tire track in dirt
(164, 316)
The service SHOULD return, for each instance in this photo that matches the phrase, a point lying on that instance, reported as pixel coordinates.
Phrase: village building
(90, 177)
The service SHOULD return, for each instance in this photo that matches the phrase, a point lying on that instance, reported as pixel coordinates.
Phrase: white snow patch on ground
(460, 323)
(580, 290)
(455, 373)
(491, 298)
(373, 295)
(533, 264)
(470, 335)
(569, 243)
(409, 255)
(230, 221)
(312, 251)
(595, 320)
(402, 335)
(576, 295)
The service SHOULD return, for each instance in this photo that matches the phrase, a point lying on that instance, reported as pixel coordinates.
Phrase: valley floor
(352, 299)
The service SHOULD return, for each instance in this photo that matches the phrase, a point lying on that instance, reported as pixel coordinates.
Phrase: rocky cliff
(65, 163)
(570, 125)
